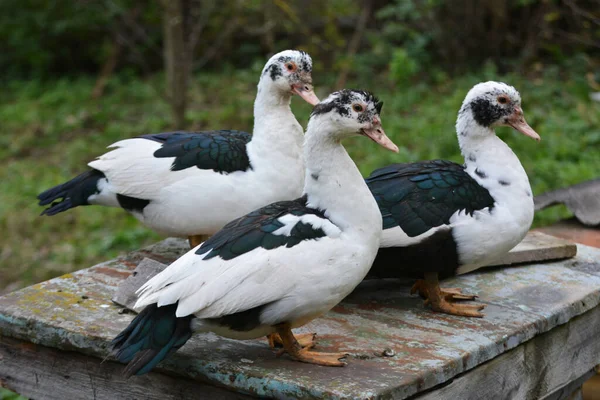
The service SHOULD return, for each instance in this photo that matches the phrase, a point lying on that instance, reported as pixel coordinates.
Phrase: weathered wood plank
(75, 312)
(146, 269)
(536, 247)
(551, 366)
(42, 373)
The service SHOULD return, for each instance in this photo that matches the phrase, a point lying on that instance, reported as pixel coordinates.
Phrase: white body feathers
(200, 202)
(295, 284)
(486, 235)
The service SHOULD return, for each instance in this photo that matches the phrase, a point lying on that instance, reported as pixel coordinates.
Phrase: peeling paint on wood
(75, 312)
(536, 246)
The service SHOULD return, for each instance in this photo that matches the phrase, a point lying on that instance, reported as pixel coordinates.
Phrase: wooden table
(540, 339)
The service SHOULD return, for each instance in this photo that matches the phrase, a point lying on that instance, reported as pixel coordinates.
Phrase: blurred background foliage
(46, 39)
(80, 75)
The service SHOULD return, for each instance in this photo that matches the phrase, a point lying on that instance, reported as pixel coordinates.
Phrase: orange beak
(306, 91)
(376, 134)
(517, 121)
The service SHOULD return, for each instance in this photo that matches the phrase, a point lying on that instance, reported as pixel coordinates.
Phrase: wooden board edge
(512, 259)
(40, 372)
(539, 368)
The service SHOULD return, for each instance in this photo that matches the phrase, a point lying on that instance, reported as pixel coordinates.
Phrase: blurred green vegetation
(45, 39)
(51, 130)
(6, 394)
(419, 56)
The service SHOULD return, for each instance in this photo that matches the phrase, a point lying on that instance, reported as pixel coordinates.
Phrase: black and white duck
(441, 218)
(190, 184)
(279, 266)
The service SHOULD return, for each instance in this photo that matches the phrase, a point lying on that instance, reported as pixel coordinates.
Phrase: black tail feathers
(154, 334)
(72, 193)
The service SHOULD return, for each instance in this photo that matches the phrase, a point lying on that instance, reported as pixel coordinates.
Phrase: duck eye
(290, 66)
(357, 107)
(502, 99)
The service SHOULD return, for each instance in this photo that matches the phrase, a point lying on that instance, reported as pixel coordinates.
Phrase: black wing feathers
(420, 196)
(155, 333)
(222, 151)
(71, 194)
(256, 230)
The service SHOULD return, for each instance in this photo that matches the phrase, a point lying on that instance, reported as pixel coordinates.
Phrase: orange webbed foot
(446, 300)
(304, 354)
(303, 339)
(463, 310)
(449, 294)
(319, 358)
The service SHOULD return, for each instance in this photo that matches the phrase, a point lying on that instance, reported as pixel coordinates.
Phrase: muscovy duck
(192, 184)
(441, 218)
(279, 266)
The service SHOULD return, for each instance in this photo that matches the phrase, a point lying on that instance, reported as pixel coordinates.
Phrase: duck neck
(277, 136)
(490, 161)
(334, 184)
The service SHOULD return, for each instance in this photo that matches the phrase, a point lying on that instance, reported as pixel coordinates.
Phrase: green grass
(6, 394)
(50, 131)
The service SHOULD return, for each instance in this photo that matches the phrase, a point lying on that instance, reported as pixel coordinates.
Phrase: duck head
(489, 105)
(290, 72)
(349, 113)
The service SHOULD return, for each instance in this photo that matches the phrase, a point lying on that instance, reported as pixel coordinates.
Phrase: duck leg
(298, 353)
(195, 240)
(304, 340)
(448, 293)
(445, 301)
